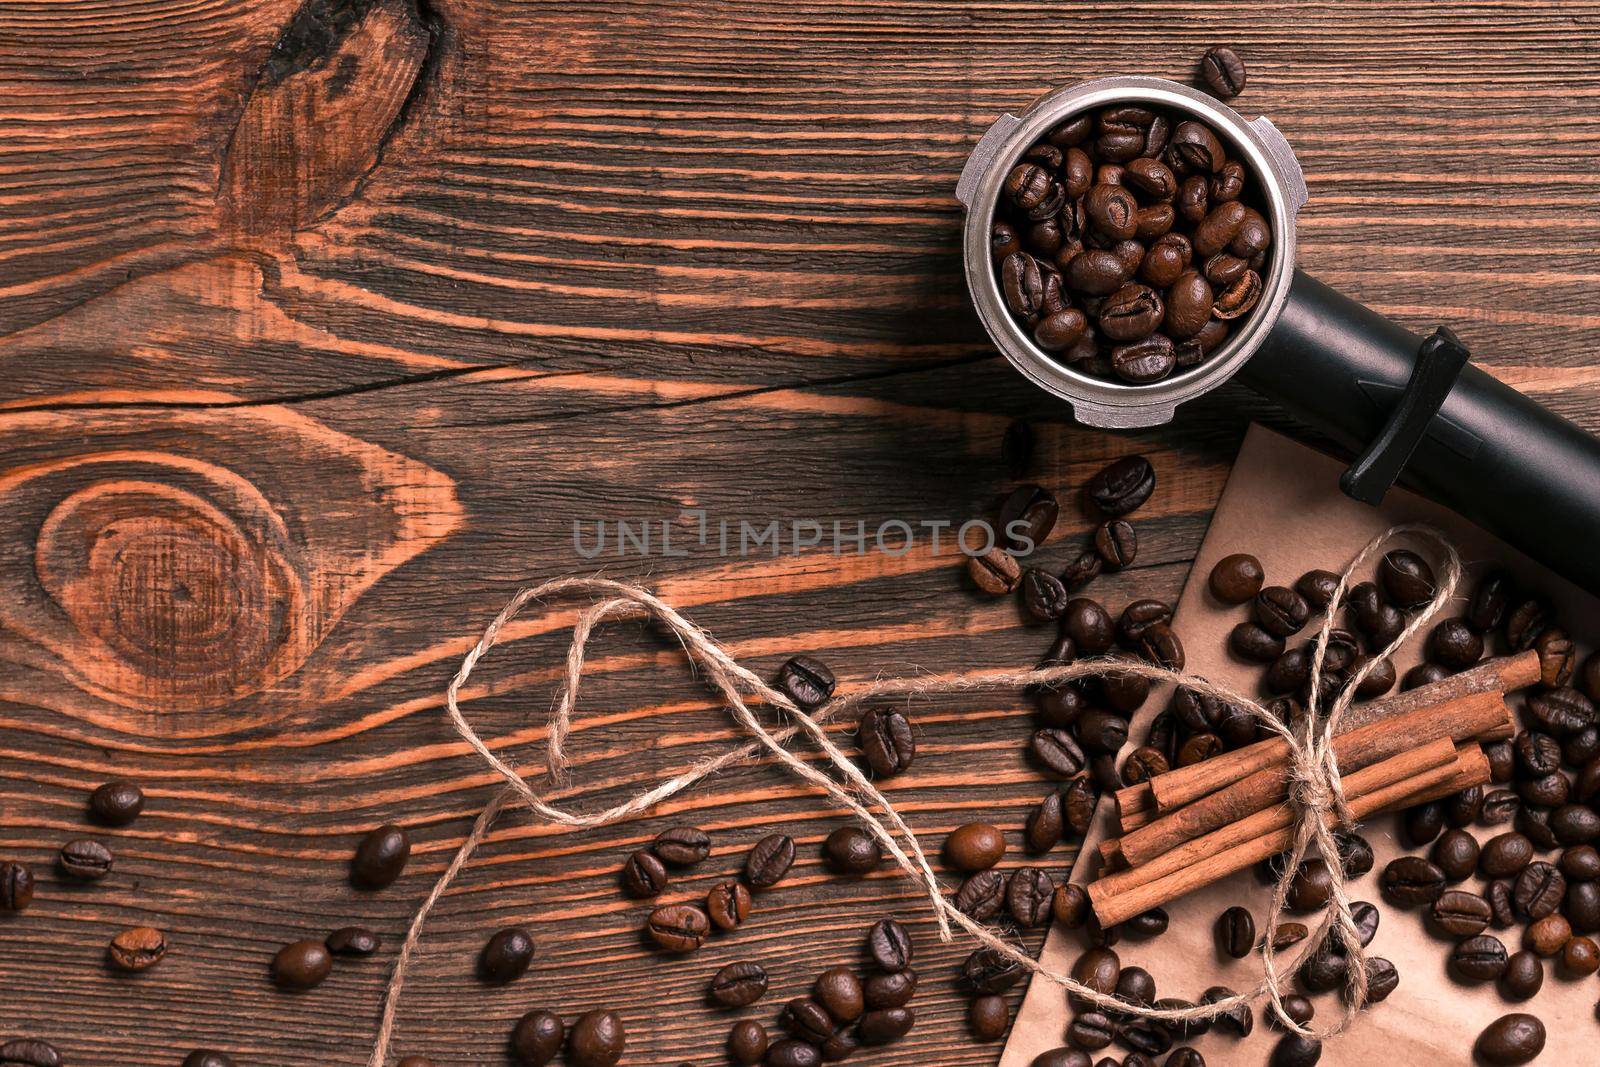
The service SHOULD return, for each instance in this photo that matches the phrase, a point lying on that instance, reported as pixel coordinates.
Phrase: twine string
(1316, 792)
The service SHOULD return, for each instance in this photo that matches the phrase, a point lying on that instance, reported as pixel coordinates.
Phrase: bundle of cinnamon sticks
(1198, 824)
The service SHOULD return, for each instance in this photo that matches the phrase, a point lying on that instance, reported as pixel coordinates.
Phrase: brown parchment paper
(1282, 504)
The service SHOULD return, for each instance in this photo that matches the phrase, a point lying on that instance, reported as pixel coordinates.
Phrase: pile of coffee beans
(1128, 241)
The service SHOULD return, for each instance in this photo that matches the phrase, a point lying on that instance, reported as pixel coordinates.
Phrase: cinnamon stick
(1119, 897)
(1501, 675)
(1476, 716)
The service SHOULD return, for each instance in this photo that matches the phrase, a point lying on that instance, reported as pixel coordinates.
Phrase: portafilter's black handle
(1503, 461)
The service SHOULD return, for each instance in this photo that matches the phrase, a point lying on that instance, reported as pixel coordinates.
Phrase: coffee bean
(975, 846)
(1058, 752)
(792, 1052)
(597, 1040)
(643, 876)
(884, 1025)
(1312, 886)
(988, 1017)
(1078, 802)
(140, 948)
(1556, 658)
(1455, 645)
(206, 1057)
(301, 965)
(1101, 732)
(1533, 821)
(1523, 976)
(986, 971)
(1539, 890)
(1423, 823)
(1411, 882)
(1236, 932)
(1236, 578)
(728, 905)
(1547, 936)
(1250, 641)
(1029, 892)
(1317, 586)
(1561, 712)
(1069, 906)
(1456, 854)
(537, 1038)
(995, 572)
(1524, 622)
(982, 895)
(1044, 825)
(29, 1052)
(1479, 959)
(886, 741)
(1122, 486)
(807, 1020)
(84, 860)
(1159, 644)
(769, 860)
(1355, 853)
(1198, 749)
(1125, 691)
(1097, 968)
(1116, 543)
(747, 1043)
(1580, 957)
(1580, 863)
(1511, 1040)
(1407, 579)
(506, 955)
(1500, 806)
(1089, 625)
(1043, 595)
(1457, 914)
(353, 941)
(1084, 568)
(683, 846)
(1222, 72)
(1143, 764)
(1582, 906)
(116, 803)
(890, 990)
(852, 851)
(738, 984)
(1027, 515)
(1280, 611)
(808, 682)
(16, 886)
(1581, 746)
(678, 927)
(839, 991)
(1293, 1050)
(889, 945)
(380, 857)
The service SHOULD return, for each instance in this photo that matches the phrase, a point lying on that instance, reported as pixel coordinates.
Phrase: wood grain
(337, 316)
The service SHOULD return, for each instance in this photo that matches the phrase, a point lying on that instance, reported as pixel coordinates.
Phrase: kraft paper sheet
(1282, 504)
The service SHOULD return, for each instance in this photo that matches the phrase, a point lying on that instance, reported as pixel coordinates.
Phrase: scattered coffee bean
(1116, 543)
(682, 846)
(808, 682)
(1456, 854)
(1043, 595)
(1524, 622)
(1029, 892)
(890, 990)
(1412, 882)
(1523, 977)
(140, 948)
(738, 984)
(839, 991)
(597, 1040)
(1058, 752)
(1580, 957)
(982, 895)
(747, 1043)
(1479, 959)
(1042, 830)
(1293, 1050)
(116, 803)
(851, 850)
(1457, 914)
(301, 965)
(1223, 72)
(1069, 906)
(1236, 579)
(986, 971)
(352, 941)
(988, 1017)
(643, 876)
(886, 741)
(728, 904)
(84, 860)
(889, 945)
(1236, 932)
(1280, 611)
(769, 861)
(537, 1038)
(1407, 579)
(1511, 1040)
(16, 886)
(884, 1025)
(1505, 854)
(792, 1052)
(678, 927)
(996, 572)
(1296, 1007)
(1288, 934)
(1312, 886)
(1122, 486)
(1538, 890)
(29, 1052)
(506, 955)
(380, 857)
(1455, 645)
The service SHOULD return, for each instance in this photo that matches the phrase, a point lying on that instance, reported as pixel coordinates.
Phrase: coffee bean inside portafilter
(1129, 240)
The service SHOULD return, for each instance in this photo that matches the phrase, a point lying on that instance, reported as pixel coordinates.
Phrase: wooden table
(320, 331)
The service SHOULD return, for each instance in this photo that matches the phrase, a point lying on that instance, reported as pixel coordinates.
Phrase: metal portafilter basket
(1405, 406)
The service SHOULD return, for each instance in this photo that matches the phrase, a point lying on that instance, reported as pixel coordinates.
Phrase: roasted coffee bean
(1312, 886)
(1095, 272)
(1195, 149)
(1547, 936)
(1383, 978)
(1135, 984)
(1198, 749)
(1122, 486)
(1479, 959)
(1101, 732)
(1280, 611)
(1366, 918)
(1097, 968)
(1223, 72)
(1235, 931)
(1317, 586)
(1160, 645)
(747, 1043)
(1236, 579)
(1029, 891)
(1057, 752)
(1456, 854)
(204, 1057)
(1412, 882)
(1289, 672)
(678, 927)
(507, 955)
(1455, 645)
(16, 886)
(380, 857)
(769, 860)
(643, 875)
(1406, 578)
(1139, 616)
(1325, 970)
(1556, 658)
(1355, 853)
(728, 905)
(1537, 754)
(1145, 361)
(1043, 595)
(1293, 1050)
(1124, 691)
(890, 990)
(1091, 1031)
(1146, 924)
(1069, 906)
(1044, 825)
(839, 991)
(1027, 516)
(597, 1040)
(884, 1025)
(809, 683)
(1423, 823)
(1511, 1040)
(792, 1052)
(1238, 1021)
(1490, 601)
(1505, 854)
(139, 948)
(1575, 824)
(1078, 802)
(29, 1052)
(1249, 641)
(301, 965)
(1132, 313)
(537, 1038)
(1523, 976)
(889, 945)
(1534, 823)
(851, 850)
(1580, 957)
(1502, 759)
(1546, 792)
(995, 572)
(1580, 863)
(807, 1020)
(982, 895)
(1143, 764)
(988, 1017)
(1586, 789)
(1185, 1056)
(887, 741)
(1060, 705)
(1116, 543)
(353, 941)
(1561, 712)
(1296, 1007)
(84, 860)
(1084, 568)
(986, 971)
(116, 803)
(1580, 747)
(1240, 297)
(1524, 622)
(1582, 906)
(1458, 914)
(1500, 806)
(1538, 890)
(975, 846)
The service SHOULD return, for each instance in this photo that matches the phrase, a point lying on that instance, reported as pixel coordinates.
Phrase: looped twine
(1316, 792)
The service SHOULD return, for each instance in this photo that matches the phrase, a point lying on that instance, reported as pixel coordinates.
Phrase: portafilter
(1407, 408)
